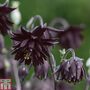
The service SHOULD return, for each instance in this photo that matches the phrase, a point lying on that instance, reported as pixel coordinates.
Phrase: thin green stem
(30, 23)
(15, 70)
(52, 66)
(67, 52)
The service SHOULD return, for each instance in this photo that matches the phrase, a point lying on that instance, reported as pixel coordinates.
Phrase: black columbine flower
(41, 71)
(5, 23)
(32, 46)
(71, 37)
(71, 70)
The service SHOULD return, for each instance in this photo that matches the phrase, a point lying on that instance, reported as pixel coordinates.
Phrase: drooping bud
(71, 70)
(23, 71)
(41, 71)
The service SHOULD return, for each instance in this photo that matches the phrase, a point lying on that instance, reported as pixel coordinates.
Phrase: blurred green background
(74, 11)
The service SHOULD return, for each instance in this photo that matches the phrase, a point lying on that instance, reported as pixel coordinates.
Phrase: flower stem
(15, 70)
(87, 86)
(68, 51)
(30, 23)
(60, 21)
(87, 82)
(52, 66)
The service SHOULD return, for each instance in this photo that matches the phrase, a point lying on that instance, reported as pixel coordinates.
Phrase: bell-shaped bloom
(71, 70)
(71, 37)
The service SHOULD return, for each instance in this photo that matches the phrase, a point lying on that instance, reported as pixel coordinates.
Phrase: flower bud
(41, 71)
(23, 71)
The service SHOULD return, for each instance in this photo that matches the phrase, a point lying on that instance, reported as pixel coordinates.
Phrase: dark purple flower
(5, 23)
(41, 71)
(71, 37)
(71, 70)
(32, 46)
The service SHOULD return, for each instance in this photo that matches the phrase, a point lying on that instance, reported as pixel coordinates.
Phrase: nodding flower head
(32, 46)
(71, 70)
(71, 37)
(5, 23)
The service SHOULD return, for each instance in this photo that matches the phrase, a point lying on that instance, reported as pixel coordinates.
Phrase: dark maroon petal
(16, 50)
(3, 30)
(16, 44)
(23, 31)
(39, 31)
(82, 73)
(71, 38)
(23, 43)
(9, 22)
(45, 49)
(39, 52)
(31, 44)
(4, 23)
(73, 69)
(5, 9)
(17, 56)
(21, 60)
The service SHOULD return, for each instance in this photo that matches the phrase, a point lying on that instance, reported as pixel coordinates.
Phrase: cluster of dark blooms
(32, 48)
